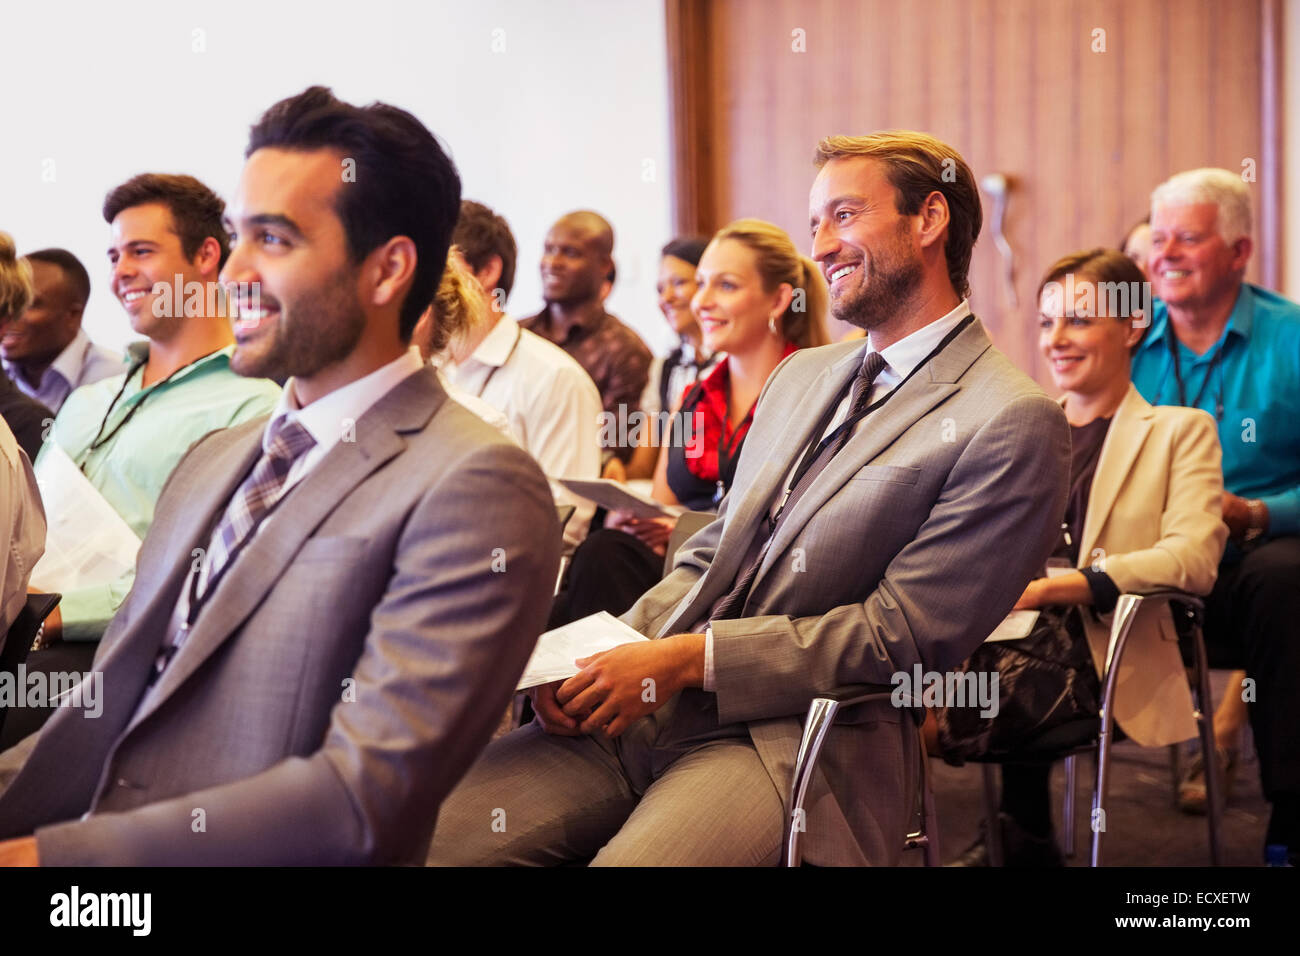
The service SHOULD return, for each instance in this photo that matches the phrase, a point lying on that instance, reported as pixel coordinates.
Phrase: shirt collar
(499, 343)
(1240, 320)
(910, 351)
(66, 366)
(326, 418)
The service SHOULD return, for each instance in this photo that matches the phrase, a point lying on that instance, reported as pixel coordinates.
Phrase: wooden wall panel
(1015, 85)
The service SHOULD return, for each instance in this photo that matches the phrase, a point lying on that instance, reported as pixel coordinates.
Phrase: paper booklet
(617, 496)
(1014, 626)
(556, 650)
(86, 541)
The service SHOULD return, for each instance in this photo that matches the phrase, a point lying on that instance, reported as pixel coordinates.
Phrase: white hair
(1222, 187)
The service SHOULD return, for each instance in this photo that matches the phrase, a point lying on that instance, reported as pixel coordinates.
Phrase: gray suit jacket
(344, 674)
(909, 548)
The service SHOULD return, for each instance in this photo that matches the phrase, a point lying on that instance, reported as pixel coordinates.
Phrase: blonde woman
(758, 300)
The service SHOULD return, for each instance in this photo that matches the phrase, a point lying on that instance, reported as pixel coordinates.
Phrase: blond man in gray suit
(331, 607)
(892, 501)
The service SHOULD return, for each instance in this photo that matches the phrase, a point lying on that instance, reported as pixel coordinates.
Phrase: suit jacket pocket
(333, 549)
(902, 474)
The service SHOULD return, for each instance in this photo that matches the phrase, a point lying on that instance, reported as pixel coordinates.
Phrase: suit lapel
(256, 569)
(913, 399)
(1128, 431)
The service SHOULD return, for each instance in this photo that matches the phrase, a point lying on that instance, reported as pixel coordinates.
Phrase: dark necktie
(733, 603)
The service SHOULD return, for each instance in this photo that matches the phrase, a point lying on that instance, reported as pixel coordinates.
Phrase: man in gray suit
(889, 507)
(331, 608)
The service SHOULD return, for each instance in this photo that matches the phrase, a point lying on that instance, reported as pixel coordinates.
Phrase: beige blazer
(1154, 521)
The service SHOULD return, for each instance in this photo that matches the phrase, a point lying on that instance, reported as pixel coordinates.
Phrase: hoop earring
(771, 325)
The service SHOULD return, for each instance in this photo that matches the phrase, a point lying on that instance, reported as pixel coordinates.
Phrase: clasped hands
(620, 686)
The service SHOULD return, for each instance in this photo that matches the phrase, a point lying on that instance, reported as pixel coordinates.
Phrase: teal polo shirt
(141, 433)
(1257, 383)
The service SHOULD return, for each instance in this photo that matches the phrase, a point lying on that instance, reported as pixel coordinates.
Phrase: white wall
(545, 106)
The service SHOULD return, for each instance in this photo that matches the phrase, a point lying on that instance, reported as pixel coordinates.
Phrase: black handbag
(1045, 680)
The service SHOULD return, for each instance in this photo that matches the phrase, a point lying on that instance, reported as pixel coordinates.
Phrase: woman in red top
(758, 300)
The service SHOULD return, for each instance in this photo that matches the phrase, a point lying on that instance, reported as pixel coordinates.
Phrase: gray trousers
(674, 790)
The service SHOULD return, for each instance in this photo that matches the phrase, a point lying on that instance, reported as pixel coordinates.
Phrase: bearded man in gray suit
(331, 608)
(891, 502)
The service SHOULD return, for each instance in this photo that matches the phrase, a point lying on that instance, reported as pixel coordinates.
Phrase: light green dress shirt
(132, 462)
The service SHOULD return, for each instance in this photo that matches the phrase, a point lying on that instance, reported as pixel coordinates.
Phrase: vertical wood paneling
(1013, 84)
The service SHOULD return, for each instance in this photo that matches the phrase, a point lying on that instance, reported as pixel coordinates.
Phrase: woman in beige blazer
(1144, 512)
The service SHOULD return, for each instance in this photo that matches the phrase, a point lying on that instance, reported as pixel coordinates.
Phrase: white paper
(553, 657)
(1014, 626)
(86, 541)
(618, 497)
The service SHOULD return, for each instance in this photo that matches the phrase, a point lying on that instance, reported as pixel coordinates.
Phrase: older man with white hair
(1222, 344)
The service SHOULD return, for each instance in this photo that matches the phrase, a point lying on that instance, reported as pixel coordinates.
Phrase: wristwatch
(1258, 515)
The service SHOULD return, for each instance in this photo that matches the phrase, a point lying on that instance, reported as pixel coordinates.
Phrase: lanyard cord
(495, 368)
(815, 447)
(98, 442)
(1216, 361)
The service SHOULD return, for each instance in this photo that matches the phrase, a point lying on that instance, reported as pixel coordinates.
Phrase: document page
(86, 542)
(556, 650)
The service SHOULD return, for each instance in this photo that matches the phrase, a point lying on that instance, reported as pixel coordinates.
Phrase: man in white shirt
(44, 349)
(553, 405)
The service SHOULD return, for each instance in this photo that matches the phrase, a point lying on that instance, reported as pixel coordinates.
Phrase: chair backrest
(564, 513)
(22, 634)
(688, 523)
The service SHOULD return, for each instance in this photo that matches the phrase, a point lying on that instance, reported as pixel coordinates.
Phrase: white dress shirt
(81, 363)
(551, 402)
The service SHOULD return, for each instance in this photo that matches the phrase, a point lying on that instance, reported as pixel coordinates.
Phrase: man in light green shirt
(126, 433)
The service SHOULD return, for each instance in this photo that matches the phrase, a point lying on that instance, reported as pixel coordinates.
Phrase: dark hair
(1144, 221)
(1105, 266)
(481, 234)
(77, 278)
(405, 184)
(687, 248)
(196, 210)
(917, 164)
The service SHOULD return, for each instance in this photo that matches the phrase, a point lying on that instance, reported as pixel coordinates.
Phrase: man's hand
(19, 852)
(1237, 516)
(549, 715)
(622, 685)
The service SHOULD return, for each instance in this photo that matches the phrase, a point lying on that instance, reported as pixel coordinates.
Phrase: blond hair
(917, 164)
(15, 279)
(804, 320)
(459, 304)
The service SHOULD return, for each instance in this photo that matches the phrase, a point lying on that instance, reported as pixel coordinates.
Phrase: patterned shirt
(613, 355)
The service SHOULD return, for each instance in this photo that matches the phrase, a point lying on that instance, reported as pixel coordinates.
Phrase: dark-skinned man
(577, 258)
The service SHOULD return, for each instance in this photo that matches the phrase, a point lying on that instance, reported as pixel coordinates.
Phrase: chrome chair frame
(1126, 610)
(823, 710)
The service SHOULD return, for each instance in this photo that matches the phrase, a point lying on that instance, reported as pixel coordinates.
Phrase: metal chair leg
(1214, 780)
(929, 813)
(1067, 814)
(821, 715)
(992, 822)
(1126, 610)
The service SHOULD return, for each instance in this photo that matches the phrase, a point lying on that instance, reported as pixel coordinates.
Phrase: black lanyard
(1171, 343)
(816, 447)
(97, 442)
(514, 345)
